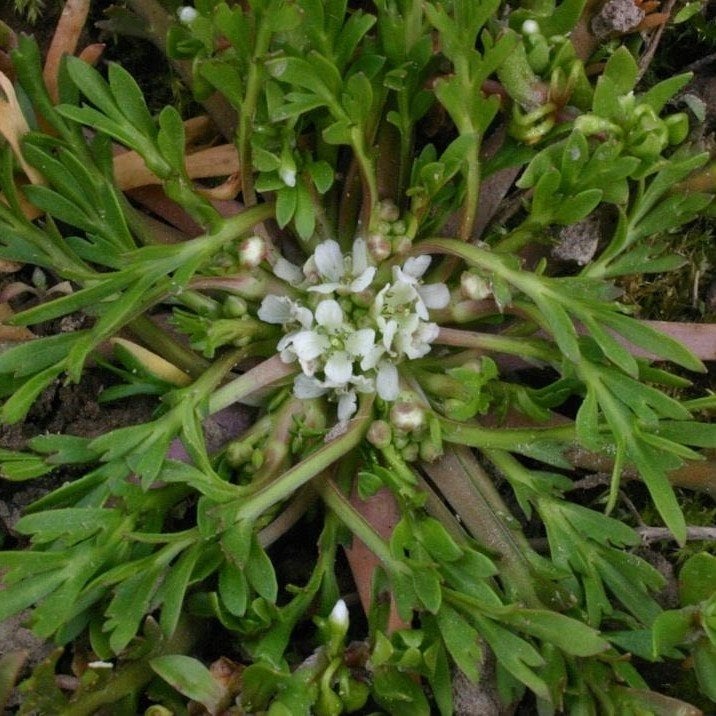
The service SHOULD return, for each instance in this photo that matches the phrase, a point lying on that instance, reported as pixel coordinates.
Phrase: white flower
(338, 358)
(284, 311)
(287, 271)
(187, 15)
(341, 274)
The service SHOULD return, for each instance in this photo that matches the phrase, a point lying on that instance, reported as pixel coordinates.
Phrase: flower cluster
(347, 336)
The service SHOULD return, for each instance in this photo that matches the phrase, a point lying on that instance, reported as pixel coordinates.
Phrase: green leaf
(671, 629)
(705, 667)
(131, 602)
(20, 466)
(322, 175)
(437, 541)
(461, 640)
(697, 579)
(587, 421)
(622, 71)
(305, 215)
(260, 572)
(286, 200)
(171, 139)
(426, 583)
(656, 342)
(89, 81)
(571, 636)
(190, 678)
(130, 100)
(577, 207)
(173, 590)
(233, 589)
(658, 95)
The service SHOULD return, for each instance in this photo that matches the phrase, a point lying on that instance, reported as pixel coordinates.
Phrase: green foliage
(333, 108)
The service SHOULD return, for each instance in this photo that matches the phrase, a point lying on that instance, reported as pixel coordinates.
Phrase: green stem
(359, 526)
(269, 372)
(509, 439)
(248, 110)
(256, 503)
(527, 347)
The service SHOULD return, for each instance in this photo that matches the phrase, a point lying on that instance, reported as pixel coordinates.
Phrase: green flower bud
(234, 306)
(407, 416)
(379, 247)
(379, 434)
(388, 211)
(398, 228)
(410, 452)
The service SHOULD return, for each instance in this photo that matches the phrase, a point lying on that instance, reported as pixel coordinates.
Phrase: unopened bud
(388, 211)
(252, 251)
(530, 27)
(338, 618)
(379, 247)
(474, 287)
(410, 452)
(407, 416)
(398, 227)
(187, 15)
(234, 307)
(401, 244)
(379, 434)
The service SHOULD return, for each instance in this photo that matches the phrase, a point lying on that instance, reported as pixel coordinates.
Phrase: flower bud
(398, 227)
(338, 619)
(252, 251)
(234, 307)
(187, 15)
(379, 434)
(379, 247)
(401, 244)
(474, 286)
(388, 211)
(407, 416)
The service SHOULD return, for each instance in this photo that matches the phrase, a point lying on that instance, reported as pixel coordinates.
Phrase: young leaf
(190, 678)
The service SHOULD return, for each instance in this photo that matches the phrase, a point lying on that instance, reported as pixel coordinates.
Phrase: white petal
(303, 315)
(329, 314)
(305, 387)
(287, 271)
(325, 288)
(275, 309)
(347, 405)
(400, 294)
(372, 357)
(360, 256)
(363, 384)
(416, 266)
(360, 283)
(420, 310)
(339, 368)
(309, 345)
(428, 332)
(329, 260)
(434, 295)
(389, 334)
(386, 381)
(360, 342)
